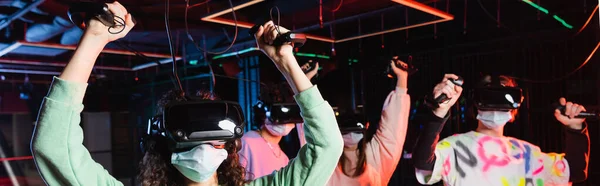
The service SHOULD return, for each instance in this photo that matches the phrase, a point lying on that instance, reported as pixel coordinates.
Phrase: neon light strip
(108, 51)
(30, 72)
(413, 4)
(410, 3)
(540, 8)
(16, 158)
(10, 48)
(236, 53)
(536, 6)
(562, 21)
(391, 30)
(424, 8)
(234, 8)
(306, 55)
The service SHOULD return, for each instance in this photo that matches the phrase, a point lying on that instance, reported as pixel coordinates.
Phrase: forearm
(577, 152)
(402, 82)
(293, 74)
(389, 139)
(423, 152)
(81, 64)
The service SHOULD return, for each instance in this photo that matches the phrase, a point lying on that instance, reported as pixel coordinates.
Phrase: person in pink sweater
(372, 162)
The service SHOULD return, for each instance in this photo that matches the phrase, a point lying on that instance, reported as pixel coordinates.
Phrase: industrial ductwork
(43, 32)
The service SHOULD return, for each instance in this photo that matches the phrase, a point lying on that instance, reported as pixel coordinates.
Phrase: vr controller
(82, 12)
(435, 103)
(191, 123)
(281, 113)
(409, 68)
(591, 115)
(310, 66)
(90, 10)
(297, 39)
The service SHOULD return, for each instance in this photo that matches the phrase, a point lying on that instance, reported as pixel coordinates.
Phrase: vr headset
(281, 113)
(191, 123)
(496, 97)
(350, 122)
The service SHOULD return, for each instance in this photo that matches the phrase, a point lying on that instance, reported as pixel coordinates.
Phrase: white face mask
(494, 119)
(200, 163)
(279, 130)
(352, 139)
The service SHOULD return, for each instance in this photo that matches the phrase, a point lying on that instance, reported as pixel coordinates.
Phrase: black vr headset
(281, 113)
(494, 96)
(191, 123)
(350, 122)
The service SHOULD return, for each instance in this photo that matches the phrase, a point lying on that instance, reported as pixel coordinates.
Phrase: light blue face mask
(200, 163)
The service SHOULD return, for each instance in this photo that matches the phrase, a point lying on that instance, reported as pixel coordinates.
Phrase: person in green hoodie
(62, 159)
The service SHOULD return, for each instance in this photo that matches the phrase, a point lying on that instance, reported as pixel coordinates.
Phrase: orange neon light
(425, 8)
(229, 22)
(410, 3)
(247, 4)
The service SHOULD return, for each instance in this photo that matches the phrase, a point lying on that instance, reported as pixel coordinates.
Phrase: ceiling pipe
(5, 22)
(57, 64)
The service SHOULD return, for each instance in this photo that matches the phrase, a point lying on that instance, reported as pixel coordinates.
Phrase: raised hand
(452, 91)
(96, 29)
(265, 36)
(571, 110)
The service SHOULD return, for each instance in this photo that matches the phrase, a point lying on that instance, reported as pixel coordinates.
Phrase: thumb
(129, 20)
(259, 33)
(557, 113)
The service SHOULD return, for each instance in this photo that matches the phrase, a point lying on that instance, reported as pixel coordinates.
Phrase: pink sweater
(385, 149)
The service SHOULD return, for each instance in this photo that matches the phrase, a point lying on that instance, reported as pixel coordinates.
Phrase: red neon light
(16, 158)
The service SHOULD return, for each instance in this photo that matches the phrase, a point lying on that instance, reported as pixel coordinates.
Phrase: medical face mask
(352, 139)
(494, 119)
(279, 130)
(200, 163)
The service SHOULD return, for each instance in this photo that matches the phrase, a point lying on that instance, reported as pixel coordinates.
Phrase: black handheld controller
(298, 39)
(409, 68)
(435, 103)
(82, 12)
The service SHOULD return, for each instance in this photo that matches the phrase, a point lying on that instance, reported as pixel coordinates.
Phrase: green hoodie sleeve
(316, 160)
(57, 142)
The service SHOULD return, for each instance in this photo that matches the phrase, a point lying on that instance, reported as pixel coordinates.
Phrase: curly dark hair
(156, 167)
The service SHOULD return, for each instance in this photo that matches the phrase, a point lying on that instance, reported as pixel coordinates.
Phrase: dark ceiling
(41, 39)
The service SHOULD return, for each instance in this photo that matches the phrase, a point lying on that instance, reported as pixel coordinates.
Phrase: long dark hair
(156, 167)
(362, 157)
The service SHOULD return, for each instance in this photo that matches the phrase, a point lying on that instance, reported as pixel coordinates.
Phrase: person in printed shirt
(62, 159)
(487, 157)
(372, 162)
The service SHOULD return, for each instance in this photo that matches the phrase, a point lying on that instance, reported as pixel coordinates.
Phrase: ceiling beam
(108, 51)
(6, 21)
(58, 64)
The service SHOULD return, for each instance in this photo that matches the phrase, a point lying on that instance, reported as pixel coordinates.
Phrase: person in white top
(372, 162)
(485, 156)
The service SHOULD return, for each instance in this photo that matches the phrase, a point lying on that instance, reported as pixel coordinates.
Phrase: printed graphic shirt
(477, 159)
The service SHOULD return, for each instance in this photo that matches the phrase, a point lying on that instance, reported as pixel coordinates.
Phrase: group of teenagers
(328, 156)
